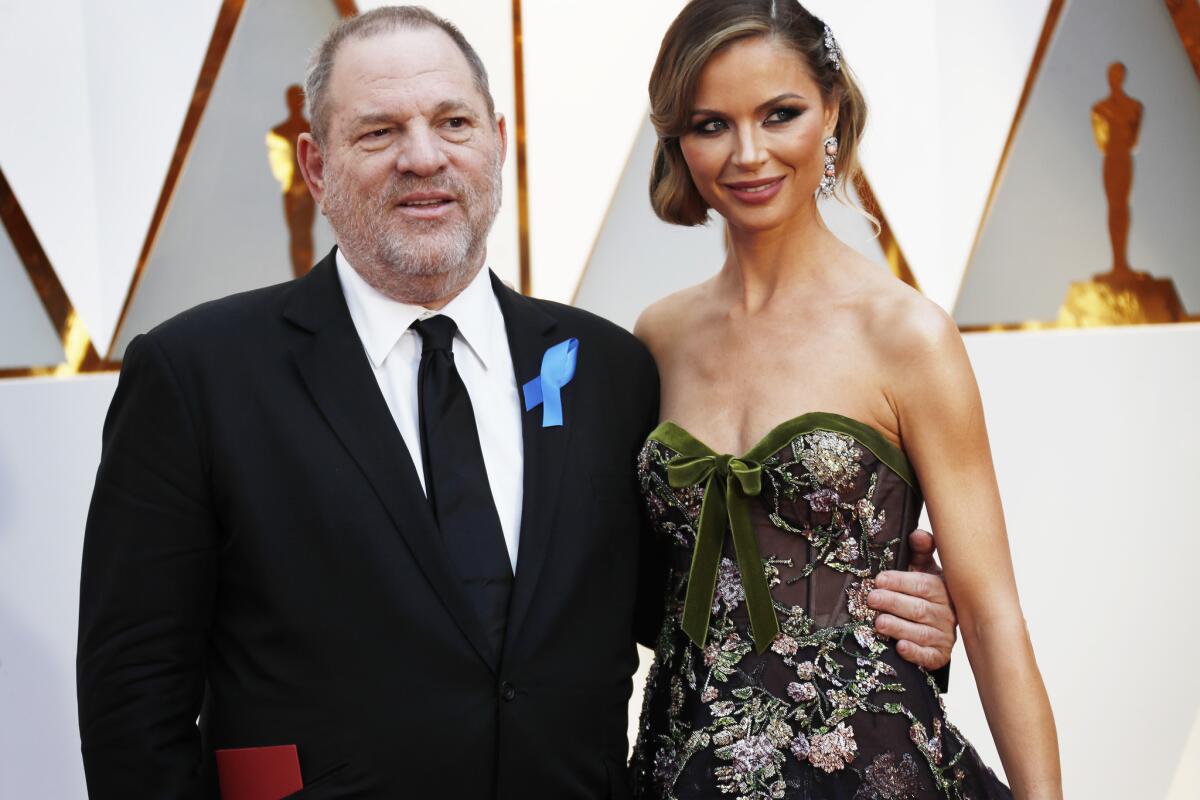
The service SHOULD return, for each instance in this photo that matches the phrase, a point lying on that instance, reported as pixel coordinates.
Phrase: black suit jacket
(259, 554)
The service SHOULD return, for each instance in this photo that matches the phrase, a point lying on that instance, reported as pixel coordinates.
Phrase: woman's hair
(703, 28)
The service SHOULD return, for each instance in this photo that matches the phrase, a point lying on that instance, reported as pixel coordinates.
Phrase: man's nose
(423, 153)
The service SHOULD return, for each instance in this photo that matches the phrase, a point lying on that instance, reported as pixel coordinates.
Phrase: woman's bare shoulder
(659, 323)
(909, 328)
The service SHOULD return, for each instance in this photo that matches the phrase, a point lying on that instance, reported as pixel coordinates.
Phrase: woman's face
(754, 145)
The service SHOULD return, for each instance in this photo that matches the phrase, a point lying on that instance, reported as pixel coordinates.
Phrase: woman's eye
(710, 126)
(780, 115)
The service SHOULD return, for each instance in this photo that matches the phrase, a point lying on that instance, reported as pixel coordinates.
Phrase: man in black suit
(325, 519)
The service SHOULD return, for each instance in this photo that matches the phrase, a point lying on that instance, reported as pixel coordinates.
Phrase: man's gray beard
(443, 255)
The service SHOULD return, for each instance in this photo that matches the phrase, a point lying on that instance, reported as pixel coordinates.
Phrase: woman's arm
(942, 428)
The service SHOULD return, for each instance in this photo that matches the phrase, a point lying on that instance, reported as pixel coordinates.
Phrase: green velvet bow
(724, 499)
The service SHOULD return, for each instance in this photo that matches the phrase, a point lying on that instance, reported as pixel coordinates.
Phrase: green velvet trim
(734, 481)
(728, 482)
(679, 440)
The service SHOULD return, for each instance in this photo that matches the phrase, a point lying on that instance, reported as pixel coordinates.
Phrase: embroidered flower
(847, 551)
(822, 501)
(785, 645)
(802, 692)
(689, 499)
(890, 777)
(935, 742)
(834, 750)
(856, 597)
(779, 732)
(840, 699)
(805, 670)
(800, 747)
(709, 694)
(830, 458)
(752, 754)
(917, 733)
(730, 591)
(865, 636)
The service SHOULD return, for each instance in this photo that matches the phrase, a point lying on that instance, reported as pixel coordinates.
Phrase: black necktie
(456, 480)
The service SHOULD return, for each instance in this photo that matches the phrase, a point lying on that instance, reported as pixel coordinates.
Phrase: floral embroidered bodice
(769, 680)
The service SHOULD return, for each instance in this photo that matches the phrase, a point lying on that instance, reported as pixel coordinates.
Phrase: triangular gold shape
(80, 354)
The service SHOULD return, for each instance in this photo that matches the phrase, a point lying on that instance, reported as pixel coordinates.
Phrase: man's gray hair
(374, 23)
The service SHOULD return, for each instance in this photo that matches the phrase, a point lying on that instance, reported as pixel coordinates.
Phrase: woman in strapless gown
(812, 404)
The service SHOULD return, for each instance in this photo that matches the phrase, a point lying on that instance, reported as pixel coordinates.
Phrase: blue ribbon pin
(558, 367)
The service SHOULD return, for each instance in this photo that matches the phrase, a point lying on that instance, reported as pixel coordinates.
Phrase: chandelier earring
(829, 178)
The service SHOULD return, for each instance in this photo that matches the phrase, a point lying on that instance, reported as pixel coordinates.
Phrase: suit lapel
(338, 376)
(531, 331)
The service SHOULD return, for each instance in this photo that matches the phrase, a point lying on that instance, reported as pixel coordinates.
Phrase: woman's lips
(755, 193)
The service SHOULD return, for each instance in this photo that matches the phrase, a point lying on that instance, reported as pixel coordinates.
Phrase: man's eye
(456, 122)
(379, 134)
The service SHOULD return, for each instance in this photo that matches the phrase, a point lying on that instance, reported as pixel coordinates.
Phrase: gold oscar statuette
(1121, 296)
(299, 210)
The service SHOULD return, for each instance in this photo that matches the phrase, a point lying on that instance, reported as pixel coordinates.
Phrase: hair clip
(835, 52)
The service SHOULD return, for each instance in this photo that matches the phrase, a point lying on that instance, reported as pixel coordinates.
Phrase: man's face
(409, 176)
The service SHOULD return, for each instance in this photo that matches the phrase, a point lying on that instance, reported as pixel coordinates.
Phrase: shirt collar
(381, 321)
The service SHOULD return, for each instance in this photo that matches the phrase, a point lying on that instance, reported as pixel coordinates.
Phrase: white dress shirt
(484, 362)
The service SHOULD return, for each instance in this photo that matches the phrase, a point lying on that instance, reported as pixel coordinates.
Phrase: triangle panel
(226, 229)
(27, 336)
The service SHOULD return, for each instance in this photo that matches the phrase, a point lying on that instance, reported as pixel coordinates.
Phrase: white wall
(49, 450)
(22, 311)
(1094, 446)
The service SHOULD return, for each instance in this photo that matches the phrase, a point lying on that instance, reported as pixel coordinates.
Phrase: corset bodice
(834, 503)
(769, 679)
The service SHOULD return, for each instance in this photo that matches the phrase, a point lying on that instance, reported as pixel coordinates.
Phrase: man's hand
(915, 608)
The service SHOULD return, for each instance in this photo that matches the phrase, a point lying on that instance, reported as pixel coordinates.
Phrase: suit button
(508, 691)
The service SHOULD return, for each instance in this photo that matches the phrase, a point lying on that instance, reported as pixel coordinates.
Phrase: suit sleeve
(652, 554)
(147, 591)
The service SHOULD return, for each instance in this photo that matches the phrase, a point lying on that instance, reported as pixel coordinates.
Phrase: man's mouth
(426, 204)
(425, 199)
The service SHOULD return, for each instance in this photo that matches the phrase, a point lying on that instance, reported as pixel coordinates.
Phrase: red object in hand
(259, 773)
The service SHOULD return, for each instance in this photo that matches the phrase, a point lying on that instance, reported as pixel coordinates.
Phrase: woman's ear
(832, 107)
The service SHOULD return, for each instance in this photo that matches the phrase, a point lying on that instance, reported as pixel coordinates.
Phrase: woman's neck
(761, 265)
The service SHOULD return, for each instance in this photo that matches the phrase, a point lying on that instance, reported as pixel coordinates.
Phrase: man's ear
(502, 129)
(312, 165)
